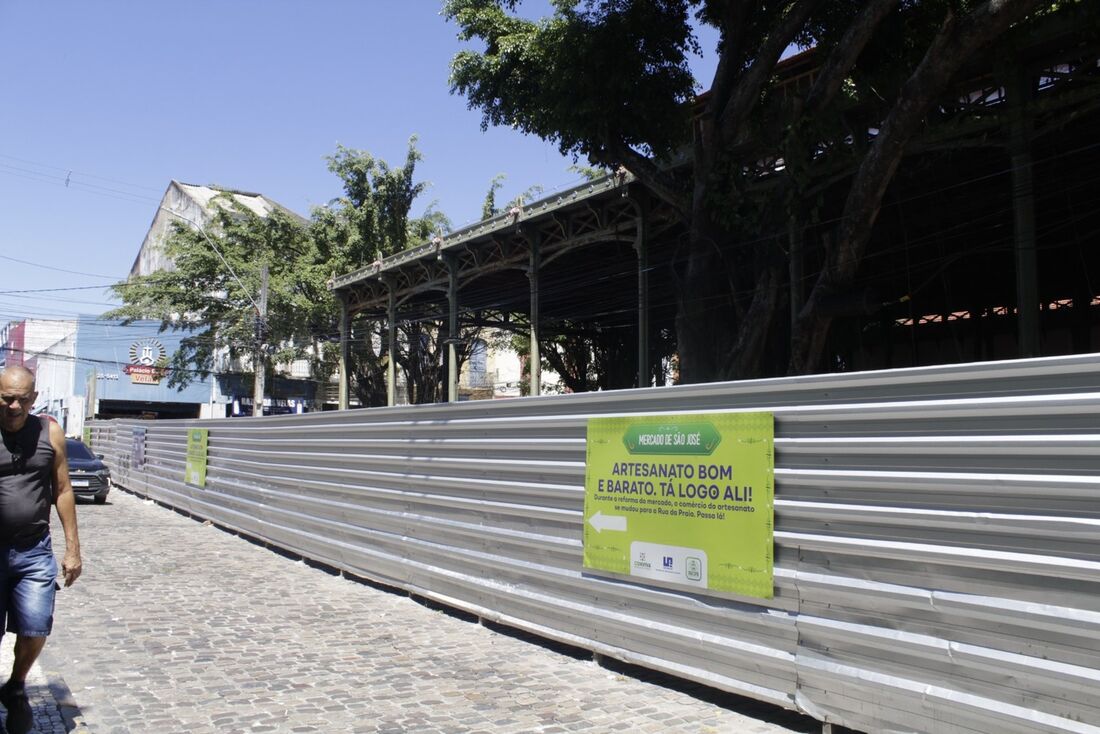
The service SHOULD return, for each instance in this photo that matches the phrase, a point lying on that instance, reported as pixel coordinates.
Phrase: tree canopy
(211, 292)
(609, 80)
(369, 222)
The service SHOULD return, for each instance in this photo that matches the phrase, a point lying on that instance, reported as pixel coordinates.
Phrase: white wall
(51, 345)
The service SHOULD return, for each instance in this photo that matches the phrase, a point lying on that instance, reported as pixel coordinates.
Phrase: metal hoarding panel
(937, 564)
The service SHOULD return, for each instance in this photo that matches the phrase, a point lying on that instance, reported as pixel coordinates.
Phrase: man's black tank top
(26, 482)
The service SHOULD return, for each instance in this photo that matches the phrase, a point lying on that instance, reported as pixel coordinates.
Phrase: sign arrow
(603, 522)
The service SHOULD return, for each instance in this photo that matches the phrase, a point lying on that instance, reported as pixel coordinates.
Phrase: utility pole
(90, 388)
(259, 361)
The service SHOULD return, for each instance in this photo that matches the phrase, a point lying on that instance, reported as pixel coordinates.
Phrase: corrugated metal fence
(937, 542)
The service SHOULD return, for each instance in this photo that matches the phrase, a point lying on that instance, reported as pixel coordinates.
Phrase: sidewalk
(177, 626)
(54, 710)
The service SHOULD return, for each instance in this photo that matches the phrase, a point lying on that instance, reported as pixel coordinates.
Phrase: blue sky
(105, 102)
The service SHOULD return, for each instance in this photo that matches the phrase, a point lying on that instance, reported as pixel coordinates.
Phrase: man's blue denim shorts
(28, 582)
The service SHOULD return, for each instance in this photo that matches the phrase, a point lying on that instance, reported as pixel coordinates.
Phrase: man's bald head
(17, 396)
(18, 373)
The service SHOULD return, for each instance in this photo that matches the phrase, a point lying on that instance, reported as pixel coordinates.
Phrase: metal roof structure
(577, 257)
(492, 257)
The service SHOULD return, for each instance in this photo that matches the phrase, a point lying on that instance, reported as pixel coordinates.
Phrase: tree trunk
(705, 323)
(954, 45)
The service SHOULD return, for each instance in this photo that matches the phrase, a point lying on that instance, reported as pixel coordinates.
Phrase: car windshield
(78, 450)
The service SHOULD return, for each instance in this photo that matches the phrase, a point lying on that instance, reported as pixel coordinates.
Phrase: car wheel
(101, 499)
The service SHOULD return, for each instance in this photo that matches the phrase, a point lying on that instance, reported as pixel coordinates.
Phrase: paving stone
(177, 626)
(48, 717)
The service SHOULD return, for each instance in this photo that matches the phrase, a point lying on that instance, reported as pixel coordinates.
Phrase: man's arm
(65, 501)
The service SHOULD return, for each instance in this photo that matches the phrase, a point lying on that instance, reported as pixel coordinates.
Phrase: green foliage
(433, 223)
(584, 358)
(590, 173)
(377, 201)
(527, 196)
(218, 311)
(609, 79)
(576, 78)
(489, 207)
(369, 222)
(211, 293)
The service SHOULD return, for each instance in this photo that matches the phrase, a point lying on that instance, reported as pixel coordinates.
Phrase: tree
(369, 222)
(590, 359)
(212, 293)
(489, 205)
(609, 80)
(589, 173)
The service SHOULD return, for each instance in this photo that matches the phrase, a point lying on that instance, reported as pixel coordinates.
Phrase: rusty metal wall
(937, 536)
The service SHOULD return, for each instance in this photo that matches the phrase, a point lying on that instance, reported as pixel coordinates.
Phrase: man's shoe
(14, 699)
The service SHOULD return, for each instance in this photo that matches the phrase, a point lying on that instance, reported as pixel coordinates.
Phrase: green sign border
(682, 501)
(194, 470)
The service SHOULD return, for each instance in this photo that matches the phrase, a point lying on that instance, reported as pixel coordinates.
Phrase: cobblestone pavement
(48, 704)
(179, 626)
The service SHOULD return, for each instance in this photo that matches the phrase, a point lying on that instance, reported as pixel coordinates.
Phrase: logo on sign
(147, 360)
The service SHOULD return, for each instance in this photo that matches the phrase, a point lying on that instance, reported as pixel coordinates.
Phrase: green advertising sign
(194, 472)
(682, 500)
(87, 436)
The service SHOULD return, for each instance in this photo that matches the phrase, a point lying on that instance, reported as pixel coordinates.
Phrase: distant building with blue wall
(123, 368)
(88, 367)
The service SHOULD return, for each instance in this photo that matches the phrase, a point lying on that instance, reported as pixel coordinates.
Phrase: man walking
(34, 474)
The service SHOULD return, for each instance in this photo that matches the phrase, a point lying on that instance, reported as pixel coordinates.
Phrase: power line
(59, 270)
(202, 231)
(55, 290)
(60, 181)
(70, 171)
